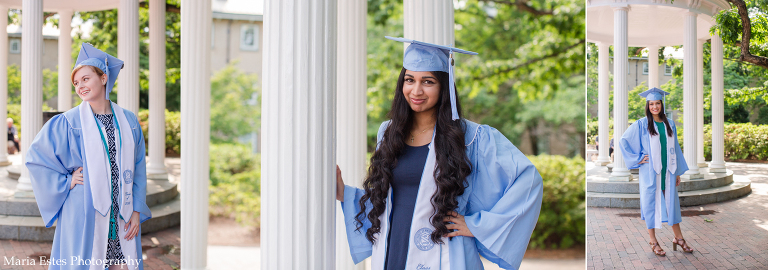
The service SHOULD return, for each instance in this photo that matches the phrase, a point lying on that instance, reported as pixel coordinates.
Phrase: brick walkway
(736, 236)
(161, 250)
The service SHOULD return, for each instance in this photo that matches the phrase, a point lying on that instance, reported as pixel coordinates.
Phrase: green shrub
(741, 141)
(235, 185)
(562, 220)
(172, 130)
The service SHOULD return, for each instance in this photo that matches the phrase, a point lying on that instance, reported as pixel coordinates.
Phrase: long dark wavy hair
(453, 165)
(662, 115)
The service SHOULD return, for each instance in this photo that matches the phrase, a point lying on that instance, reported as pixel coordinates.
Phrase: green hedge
(172, 130)
(741, 141)
(235, 185)
(562, 220)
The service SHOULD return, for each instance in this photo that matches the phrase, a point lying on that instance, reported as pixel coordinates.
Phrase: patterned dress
(114, 252)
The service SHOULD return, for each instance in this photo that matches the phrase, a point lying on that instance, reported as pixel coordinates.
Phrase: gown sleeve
(51, 159)
(140, 170)
(631, 146)
(505, 200)
(682, 166)
(359, 246)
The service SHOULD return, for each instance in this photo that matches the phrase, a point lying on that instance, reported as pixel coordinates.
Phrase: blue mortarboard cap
(90, 56)
(654, 94)
(422, 56)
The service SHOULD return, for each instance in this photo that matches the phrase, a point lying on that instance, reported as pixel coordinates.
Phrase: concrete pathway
(726, 235)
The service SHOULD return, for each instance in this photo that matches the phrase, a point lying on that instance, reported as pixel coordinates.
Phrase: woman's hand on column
(458, 225)
(339, 185)
(77, 177)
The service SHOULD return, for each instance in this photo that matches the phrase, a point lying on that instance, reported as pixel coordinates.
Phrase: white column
(195, 130)
(156, 166)
(428, 21)
(653, 67)
(31, 84)
(65, 60)
(128, 51)
(3, 81)
(620, 93)
(718, 154)
(299, 133)
(603, 110)
(690, 97)
(351, 100)
(700, 105)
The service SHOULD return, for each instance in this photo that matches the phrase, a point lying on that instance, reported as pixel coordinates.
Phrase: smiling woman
(437, 179)
(88, 173)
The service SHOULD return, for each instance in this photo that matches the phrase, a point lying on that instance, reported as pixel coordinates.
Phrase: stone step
(595, 184)
(158, 192)
(14, 171)
(24, 228)
(738, 188)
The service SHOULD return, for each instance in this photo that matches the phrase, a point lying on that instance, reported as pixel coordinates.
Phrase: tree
(743, 26)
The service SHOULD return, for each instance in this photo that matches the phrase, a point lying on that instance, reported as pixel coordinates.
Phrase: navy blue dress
(405, 187)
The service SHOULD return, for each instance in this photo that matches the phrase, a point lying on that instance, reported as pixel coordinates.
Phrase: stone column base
(602, 162)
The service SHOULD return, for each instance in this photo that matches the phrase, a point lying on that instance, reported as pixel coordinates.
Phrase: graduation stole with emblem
(423, 254)
(99, 174)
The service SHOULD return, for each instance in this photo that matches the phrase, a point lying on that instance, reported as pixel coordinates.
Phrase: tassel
(454, 111)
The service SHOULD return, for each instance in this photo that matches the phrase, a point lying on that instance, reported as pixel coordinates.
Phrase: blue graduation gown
(500, 206)
(635, 144)
(54, 154)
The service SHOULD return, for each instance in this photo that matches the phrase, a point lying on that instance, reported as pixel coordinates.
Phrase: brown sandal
(684, 245)
(659, 251)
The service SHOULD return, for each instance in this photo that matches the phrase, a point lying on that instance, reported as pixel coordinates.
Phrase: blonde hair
(98, 71)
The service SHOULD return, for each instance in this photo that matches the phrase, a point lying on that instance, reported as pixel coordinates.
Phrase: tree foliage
(745, 26)
(235, 105)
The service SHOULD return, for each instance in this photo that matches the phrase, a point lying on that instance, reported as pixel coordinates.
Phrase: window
(249, 37)
(667, 70)
(15, 46)
(213, 34)
(645, 68)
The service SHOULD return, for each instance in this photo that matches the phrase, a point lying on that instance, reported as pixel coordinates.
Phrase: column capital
(690, 13)
(622, 6)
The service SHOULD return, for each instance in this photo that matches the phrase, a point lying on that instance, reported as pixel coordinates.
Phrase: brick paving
(161, 251)
(736, 237)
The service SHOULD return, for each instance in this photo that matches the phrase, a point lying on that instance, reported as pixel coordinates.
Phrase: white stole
(99, 177)
(661, 210)
(423, 254)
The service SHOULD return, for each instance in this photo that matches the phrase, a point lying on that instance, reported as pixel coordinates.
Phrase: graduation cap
(655, 94)
(110, 65)
(422, 56)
